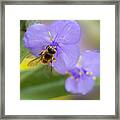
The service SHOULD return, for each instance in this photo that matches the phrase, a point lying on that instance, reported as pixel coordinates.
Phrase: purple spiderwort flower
(64, 34)
(83, 76)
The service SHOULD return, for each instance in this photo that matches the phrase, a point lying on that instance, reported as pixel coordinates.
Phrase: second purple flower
(82, 77)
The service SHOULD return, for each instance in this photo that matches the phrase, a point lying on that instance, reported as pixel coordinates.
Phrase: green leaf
(91, 31)
(41, 83)
(97, 81)
(93, 95)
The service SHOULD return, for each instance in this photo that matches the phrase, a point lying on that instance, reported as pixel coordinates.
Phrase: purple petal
(85, 84)
(90, 60)
(67, 58)
(71, 85)
(36, 38)
(70, 54)
(81, 85)
(59, 64)
(65, 31)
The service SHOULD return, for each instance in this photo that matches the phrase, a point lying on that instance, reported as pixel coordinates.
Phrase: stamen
(51, 38)
(49, 34)
(94, 78)
(87, 73)
(79, 61)
(90, 73)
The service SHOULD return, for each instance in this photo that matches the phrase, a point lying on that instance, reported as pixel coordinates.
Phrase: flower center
(78, 73)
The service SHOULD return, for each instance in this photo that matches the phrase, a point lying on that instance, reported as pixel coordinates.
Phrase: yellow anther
(94, 78)
(90, 73)
(87, 73)
(49, 33)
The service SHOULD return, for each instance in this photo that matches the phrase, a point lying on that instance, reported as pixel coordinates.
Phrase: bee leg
(41, 52)
(54, 59)
(51, 65)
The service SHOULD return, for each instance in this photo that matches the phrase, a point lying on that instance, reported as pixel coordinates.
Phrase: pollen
(49, 33)
(89, 73)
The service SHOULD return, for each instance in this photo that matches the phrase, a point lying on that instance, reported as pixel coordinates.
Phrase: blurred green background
(39, 83)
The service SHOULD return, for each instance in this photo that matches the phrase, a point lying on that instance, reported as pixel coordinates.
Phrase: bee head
(51, 49)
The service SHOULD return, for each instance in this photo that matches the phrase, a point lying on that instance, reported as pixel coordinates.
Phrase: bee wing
(34, 62)
(30, 56)
(27, 56)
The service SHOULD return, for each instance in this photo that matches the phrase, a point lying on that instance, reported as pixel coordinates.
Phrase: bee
(46, 56)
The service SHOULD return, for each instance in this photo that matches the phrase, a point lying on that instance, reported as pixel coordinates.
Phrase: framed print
(60, 60)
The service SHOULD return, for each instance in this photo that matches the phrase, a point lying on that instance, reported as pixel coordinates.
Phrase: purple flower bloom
(83, 76)
(63, 34)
